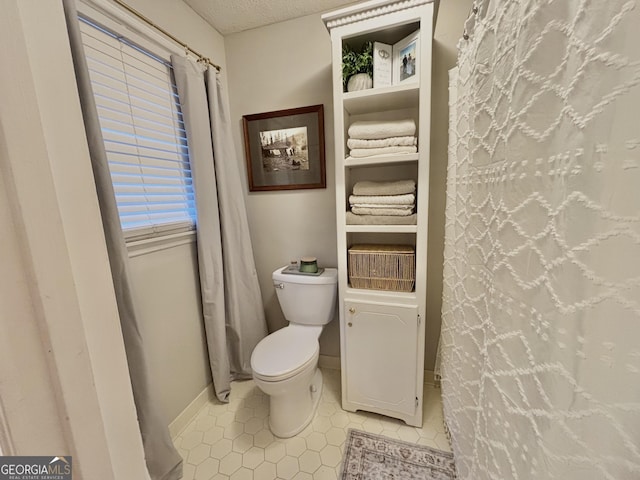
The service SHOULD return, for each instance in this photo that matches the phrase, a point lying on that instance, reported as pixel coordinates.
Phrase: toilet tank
(307, 299)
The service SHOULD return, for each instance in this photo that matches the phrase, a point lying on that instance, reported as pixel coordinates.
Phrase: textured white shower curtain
(540, 343)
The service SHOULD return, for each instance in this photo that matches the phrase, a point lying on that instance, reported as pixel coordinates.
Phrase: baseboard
(327, 361)
(430, 379)
(184, 418)
(333, 363)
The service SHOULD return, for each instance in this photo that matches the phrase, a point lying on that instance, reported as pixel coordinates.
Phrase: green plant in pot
(357, 67)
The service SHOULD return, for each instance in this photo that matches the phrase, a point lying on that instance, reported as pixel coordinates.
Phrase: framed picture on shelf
(285, 149)
(382, 60)
(406, 59)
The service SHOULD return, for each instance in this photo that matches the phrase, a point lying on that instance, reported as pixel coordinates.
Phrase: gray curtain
(231, 300)
(163, 460)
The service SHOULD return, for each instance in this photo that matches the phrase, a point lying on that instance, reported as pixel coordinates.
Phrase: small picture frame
(285, 149)
(382, 65)
(406, 59)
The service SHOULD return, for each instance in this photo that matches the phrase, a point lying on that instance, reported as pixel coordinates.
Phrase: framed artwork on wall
(406, 59)
(285, 149)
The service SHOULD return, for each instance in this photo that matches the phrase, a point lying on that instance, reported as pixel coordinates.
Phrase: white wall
(288, 65)
(276, 67)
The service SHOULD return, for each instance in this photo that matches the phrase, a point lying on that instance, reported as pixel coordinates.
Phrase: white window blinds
(143, 133)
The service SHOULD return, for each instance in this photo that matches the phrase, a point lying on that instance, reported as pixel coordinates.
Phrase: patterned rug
(374, 457)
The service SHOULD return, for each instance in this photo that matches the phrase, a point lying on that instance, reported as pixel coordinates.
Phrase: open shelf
(381, 160)
(396, 97)
(382, 228)
(381, 294)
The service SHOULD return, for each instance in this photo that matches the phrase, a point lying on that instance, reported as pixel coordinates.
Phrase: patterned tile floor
(233, 441)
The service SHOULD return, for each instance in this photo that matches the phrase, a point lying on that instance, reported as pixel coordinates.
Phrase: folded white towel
(382, 142)
(396, 212)
(398, 187)
(353, 219)
(371, 130)
(381, 205)
(370, 152)
(406, 199)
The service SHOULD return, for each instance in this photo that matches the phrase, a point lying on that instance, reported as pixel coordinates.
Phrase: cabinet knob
(350, 324)
(352, 310)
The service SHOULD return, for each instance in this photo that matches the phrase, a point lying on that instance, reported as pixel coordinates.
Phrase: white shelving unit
(382, 332)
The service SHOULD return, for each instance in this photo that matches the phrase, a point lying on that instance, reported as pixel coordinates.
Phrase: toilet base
(290, 414)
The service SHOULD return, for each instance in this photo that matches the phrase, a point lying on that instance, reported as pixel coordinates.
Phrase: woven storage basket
(382, 267)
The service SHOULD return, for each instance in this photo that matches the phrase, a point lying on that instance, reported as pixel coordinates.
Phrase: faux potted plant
(357, 67)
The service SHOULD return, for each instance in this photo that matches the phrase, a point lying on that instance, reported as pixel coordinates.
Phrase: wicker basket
(382, 267)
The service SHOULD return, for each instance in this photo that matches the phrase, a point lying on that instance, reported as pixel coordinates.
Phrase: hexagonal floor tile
(303, 476)
(339, 419)
(295, 446)
(242, 474)
(230, 463)
(221, 448)
(325, 473)
(188, 471)
(274, 452)
(243, 414)
(204, 423)
(191, 440)
(254, 425)
(331, 456)
(336, 436)
(263, 438)
(265, 471)
(408, 434)
(212, 435)
(207, 469)
(198, 454)
(321, 424)
(253, 457)
(372, 425)
(243, 443)
(233, 441)
(316, 441)
(225, 419)
(287, 467)
(233, 430)
(309, 461)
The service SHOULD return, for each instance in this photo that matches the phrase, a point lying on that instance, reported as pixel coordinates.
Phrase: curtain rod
(164, 32)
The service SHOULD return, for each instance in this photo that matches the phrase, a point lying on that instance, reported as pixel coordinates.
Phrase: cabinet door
(381, 355)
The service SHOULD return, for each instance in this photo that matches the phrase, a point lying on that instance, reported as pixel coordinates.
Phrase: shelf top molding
(366, 10)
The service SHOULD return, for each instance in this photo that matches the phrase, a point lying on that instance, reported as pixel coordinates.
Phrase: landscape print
(285, 149)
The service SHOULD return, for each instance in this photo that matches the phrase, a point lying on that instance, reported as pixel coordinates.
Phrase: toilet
(285, 363)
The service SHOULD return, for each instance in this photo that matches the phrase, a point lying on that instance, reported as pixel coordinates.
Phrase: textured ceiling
(230, 16)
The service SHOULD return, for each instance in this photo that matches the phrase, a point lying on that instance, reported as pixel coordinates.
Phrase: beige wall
(288, 65)
(282, 66)
(449, 27)
(63, 375)
(167, 292)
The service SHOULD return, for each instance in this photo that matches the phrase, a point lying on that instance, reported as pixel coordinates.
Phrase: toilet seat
(285, 353)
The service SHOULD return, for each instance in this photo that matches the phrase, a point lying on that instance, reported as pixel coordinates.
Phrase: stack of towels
(383, 203)
(368, 138)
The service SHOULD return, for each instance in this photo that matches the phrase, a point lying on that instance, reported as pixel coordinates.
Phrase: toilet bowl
(285, 363)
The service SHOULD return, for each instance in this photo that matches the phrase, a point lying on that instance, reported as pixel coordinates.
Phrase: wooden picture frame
(284, 149)
(406, 59)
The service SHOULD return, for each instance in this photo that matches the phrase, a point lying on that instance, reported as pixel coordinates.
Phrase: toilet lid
(284, 352)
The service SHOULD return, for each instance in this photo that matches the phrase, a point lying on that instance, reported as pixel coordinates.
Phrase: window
(144, 134)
